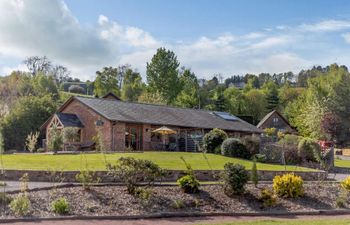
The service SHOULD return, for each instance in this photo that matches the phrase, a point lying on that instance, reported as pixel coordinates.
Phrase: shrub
(291, 155)
(143, 193)
(268, 198)
(233, 147)
(213, 139)
(56, 140)
(288, 185)
(254, 174)
(31, 141)
(309, 150)
(345, 184)
(261, 158)
(60, 206)
(189, 184)
(252, 144)
(20, 205)
(86, 178)
(270, 132)
(290, 139)
(235, 177)
(132, 171)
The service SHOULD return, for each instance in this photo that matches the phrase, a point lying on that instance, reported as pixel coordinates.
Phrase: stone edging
(171, 175)
(173, 215)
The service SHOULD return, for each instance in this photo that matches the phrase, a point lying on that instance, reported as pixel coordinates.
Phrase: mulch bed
(114, 200)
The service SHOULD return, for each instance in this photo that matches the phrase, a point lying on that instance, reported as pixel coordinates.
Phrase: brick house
(275, 120)
(130, 125)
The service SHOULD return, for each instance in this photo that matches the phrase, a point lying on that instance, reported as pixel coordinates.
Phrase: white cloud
(326, 26)
(48, 27)
(346, 37)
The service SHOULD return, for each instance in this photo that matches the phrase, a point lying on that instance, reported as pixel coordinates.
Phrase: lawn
(291, 222)
(166, 160)
(341, 162)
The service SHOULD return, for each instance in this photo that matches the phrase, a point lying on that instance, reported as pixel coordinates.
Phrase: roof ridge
(144, 103)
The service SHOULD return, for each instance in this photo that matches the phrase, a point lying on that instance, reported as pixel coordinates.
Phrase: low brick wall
(171, 176)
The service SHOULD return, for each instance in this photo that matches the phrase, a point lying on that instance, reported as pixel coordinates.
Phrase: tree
(26, 116)
(132, 86)
(106, 81)
(271, 90)
(189, 96)
(163, 75)
(256, 104)
(36, 64)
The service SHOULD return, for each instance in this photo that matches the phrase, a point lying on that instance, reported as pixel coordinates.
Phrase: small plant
(342, 199)
(288, 185)
(40, 150)
(233, 147)
(261, 158)
(60, 206)
(254, 174)
(345, 184)
(31, 141)
(235, 177)
(86, 178)
(20, 205)
(189, 184)
(132, 171)
(178, 204)
(143, 193)
(213, 139)
(268, 198)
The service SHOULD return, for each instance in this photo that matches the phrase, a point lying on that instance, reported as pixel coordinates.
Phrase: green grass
(166, 160)
(291, 222)
(341, 162)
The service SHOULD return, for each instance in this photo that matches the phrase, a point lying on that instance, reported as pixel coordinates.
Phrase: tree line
(316, 101)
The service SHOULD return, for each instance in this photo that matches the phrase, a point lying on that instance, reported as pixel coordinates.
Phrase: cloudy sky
(227, 37)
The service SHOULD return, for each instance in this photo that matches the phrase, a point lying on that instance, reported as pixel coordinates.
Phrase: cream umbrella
(164, 131)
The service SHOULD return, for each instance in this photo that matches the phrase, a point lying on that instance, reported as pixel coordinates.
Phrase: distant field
(166, 160)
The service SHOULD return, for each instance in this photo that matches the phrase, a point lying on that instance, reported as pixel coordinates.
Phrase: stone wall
(171, 175)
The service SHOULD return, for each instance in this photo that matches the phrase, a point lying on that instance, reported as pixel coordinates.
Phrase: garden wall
(171, 176)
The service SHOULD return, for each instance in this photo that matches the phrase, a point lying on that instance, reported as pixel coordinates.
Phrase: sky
(230, 37)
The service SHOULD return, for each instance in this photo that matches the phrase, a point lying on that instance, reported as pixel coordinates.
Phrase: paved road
(178, 221)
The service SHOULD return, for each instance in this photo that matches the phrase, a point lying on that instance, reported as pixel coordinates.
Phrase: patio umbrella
(164, 131)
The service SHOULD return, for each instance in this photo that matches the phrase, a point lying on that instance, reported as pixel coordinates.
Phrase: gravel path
(179, 221)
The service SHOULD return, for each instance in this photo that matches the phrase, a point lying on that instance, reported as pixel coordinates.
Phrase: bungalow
(129, 125)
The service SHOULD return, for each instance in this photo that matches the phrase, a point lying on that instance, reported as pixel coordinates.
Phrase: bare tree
(60, 73)
(36, 64)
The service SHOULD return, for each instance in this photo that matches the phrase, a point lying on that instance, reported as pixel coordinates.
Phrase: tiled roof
(163, 115)
(69, 120)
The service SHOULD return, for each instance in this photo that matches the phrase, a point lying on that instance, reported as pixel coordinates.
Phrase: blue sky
(227, 36)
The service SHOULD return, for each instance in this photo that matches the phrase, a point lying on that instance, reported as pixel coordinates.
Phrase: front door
(133, 137)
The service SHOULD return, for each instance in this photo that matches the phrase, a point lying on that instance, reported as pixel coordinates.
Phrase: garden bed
(114, 200)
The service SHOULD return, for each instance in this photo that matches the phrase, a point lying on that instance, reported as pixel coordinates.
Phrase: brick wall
(89, 117)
